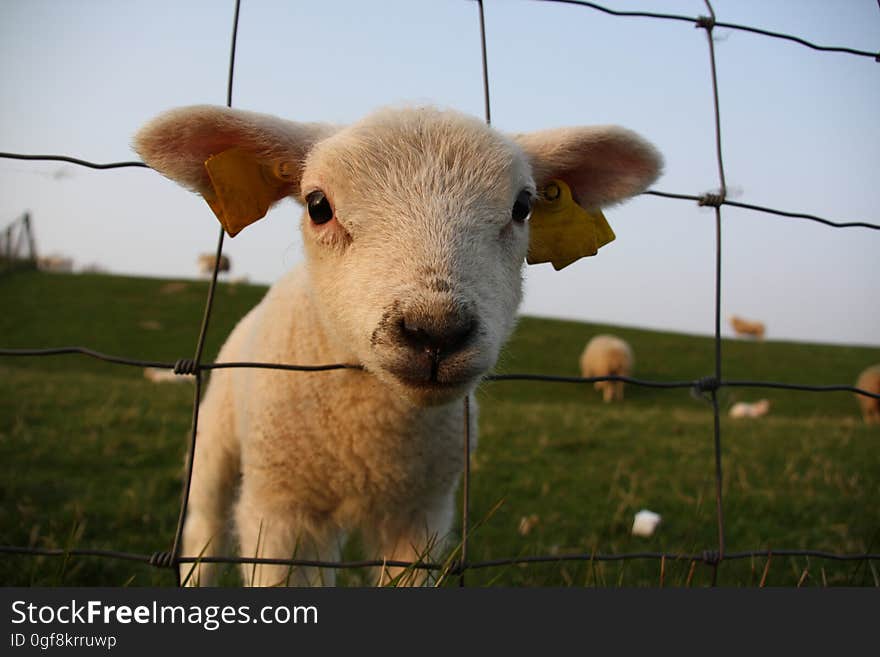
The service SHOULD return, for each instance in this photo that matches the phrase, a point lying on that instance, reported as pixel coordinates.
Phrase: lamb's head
(415, 222)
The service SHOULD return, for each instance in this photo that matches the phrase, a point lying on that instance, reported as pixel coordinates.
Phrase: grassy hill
(92, 452)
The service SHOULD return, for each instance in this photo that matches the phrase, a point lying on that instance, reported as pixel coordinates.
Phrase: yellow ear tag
(243, 189)
(561, 231)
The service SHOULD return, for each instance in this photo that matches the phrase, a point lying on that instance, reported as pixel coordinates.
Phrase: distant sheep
(157, 375)
(607, 355)
(415, 234)
(869, 380)
(55, 263)
(750, 409)
(206, 264)
(747, 327)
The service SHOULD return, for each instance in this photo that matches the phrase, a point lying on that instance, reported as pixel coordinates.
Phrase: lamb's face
(416, 233)
(415, 225)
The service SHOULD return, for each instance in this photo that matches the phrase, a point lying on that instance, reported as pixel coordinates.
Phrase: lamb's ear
(602, 164)
(180, 141)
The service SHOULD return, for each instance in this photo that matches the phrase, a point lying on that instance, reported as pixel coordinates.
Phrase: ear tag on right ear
(244, 189)
(561, 231)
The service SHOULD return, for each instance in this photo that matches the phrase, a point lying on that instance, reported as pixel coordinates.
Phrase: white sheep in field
(607, 355)
(415, 231)
(157, 375)
(869, 380)
(746, 327)
(742, 410)
(205, 263)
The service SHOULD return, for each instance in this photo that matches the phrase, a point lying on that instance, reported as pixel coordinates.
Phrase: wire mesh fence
(707, 387)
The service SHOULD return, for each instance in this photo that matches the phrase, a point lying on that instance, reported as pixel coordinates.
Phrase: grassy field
(92, 452)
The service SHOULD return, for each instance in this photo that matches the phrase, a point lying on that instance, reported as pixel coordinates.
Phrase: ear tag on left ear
(243, 189)
(561, 231)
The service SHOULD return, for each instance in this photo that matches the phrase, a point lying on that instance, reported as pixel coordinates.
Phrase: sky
(799, 132)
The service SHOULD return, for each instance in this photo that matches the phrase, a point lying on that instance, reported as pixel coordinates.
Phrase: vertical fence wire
(466, 473)
(487, 107)
(200, 345)
(708, 24)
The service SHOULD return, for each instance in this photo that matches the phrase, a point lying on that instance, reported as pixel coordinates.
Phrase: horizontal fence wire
(186, 366)
(708, 199)
(702, 200)
(162, 559)
(702, 386)
(72, 160)
(699, 21)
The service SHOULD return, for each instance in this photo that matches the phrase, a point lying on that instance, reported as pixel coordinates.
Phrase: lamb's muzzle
(439, 335)
(430, 348)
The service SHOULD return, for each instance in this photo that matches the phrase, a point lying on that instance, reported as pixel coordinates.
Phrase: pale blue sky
(800, 133)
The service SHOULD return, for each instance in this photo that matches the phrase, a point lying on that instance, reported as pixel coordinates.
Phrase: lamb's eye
(319, 207)
(522, 207)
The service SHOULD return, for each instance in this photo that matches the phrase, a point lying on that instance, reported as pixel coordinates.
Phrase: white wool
(645, 522)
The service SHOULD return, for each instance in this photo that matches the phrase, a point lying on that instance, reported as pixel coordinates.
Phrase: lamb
(157, 375)
(607, 355)
(869, 380)
(415, 229)
(747, 327)
(742, 410)
(206, 262)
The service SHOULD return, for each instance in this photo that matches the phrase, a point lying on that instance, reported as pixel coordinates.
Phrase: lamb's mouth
(434, 376)
(433, 393)
(433, 384)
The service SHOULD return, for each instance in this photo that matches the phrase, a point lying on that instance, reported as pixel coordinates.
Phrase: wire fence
(707, 387)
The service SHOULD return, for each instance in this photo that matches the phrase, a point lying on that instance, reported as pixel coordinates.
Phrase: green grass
(92, 453)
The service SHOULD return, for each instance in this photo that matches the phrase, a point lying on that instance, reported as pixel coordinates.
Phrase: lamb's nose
(442, 335)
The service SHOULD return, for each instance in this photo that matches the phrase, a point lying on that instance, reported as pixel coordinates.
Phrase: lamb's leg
(214, 481)
(264, 533)
(873, 414)
(869, 408)
(423, 540)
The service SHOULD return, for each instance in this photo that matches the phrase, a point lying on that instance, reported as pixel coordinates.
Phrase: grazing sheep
(746, 409)
(206, 262)
(747, 327)
(869, 380)
(55, 263)
(157, 375)
(607, 355)
(415, 231)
